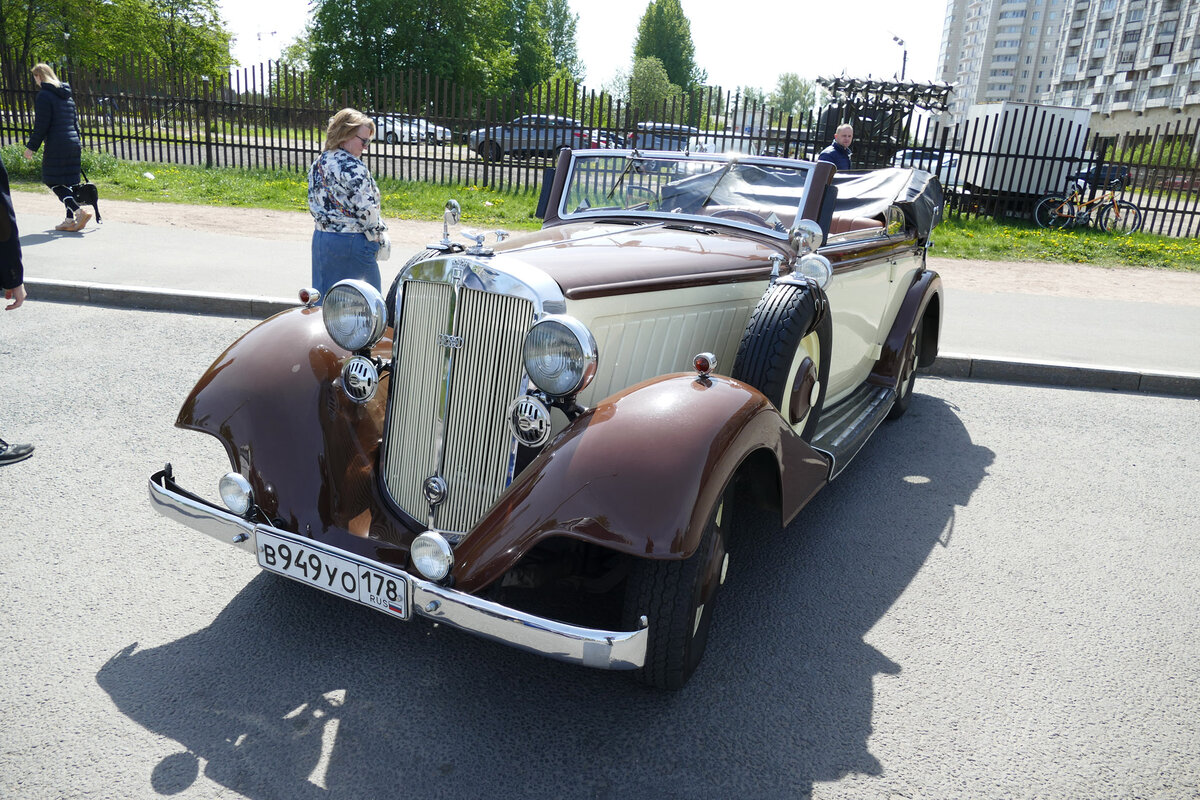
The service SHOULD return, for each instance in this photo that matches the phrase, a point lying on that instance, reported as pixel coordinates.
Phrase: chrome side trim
(588, 647)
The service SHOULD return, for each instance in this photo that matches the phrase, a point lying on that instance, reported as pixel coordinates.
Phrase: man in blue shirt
(838, 153)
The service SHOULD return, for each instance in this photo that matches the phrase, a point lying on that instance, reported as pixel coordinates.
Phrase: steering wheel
(742, 214)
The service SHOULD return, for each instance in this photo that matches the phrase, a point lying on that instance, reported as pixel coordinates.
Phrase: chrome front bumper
(547, 637)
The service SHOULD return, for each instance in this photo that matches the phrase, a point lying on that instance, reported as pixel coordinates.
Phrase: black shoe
(12, 453)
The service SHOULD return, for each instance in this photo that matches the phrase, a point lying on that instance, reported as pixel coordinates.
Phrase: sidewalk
(1043, 323)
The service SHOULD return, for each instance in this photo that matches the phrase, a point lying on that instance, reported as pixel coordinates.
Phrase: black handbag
(86, 194)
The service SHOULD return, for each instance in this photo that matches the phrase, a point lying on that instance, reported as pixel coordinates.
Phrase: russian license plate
(363, 582)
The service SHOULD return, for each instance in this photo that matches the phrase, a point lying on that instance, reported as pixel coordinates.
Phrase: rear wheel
(908, 377)
(391, 138)
(1122, 217)
(678, 598)
(490, 151)
(1054, 212)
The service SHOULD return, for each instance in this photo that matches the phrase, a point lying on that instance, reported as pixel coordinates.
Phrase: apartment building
(1135, 63)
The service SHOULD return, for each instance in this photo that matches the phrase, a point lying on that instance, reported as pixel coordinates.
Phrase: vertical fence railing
(272, 117)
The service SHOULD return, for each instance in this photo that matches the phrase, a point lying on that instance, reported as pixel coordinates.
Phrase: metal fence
(272, 117)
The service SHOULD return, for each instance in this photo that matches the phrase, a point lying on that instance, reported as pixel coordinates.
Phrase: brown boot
(67, 224)
(81, 219)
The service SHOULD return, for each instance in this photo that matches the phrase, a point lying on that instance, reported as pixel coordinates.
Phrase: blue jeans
(338, 256)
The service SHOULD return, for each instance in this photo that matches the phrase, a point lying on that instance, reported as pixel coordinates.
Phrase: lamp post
(904, 63)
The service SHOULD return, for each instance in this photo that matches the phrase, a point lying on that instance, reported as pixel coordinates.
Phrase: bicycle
(1113, 214)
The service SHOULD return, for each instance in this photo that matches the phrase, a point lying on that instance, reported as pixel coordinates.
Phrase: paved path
(1050, 323)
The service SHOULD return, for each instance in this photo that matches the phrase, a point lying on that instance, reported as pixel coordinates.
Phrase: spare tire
(785, 352)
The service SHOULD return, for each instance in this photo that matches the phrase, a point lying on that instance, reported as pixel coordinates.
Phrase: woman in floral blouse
(350, 237)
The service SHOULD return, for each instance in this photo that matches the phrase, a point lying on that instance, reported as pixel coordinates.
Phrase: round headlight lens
(236, 493)
(355, 314)
(817, 267)
(432, 556)
(560, 356)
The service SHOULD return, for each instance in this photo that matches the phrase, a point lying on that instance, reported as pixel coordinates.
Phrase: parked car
(394, 129)
(548, 440)
(942, 164)
(661, 136)
(1181, 183)
(531, 135)
(1106, 176)
(427, 131)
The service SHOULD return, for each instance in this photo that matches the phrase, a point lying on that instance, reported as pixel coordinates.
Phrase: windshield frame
(717, 165)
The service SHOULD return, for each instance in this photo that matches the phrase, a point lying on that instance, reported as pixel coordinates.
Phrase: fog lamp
(431, 555)
(236, 493)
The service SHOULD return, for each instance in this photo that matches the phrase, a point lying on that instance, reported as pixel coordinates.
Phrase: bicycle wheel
(1054, 212)
(1122, 217)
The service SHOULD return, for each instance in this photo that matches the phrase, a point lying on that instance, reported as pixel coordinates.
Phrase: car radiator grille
(447, 409)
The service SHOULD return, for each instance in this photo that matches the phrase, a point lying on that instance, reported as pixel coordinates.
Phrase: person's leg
(63, 193)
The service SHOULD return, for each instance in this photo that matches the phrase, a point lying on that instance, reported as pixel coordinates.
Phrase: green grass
(985, 239)
(958, 237)
(283, 191)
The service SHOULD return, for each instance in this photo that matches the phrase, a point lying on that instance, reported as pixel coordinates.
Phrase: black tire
(678, 599)
(391, 138)
(908, 376)
(1121, 218)
(490, 151)
(1054, 212)
(790, 324)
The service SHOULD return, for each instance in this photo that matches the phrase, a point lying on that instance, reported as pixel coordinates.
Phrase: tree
(560, 28)
(751, 95)
(794, 95)
(666, 34)
(651, 92)
(188, 37)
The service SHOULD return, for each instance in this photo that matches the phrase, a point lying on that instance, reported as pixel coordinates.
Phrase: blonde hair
(345, 124)
(44, 73)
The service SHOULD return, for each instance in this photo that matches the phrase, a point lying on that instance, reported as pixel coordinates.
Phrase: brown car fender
(640, 474)
(274, 400)
(922, 305)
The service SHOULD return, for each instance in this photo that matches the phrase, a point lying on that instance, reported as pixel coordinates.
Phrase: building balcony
(1158, 102)
(1124, 105)
(1075, 41)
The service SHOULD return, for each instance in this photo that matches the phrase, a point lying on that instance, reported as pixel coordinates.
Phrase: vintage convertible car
(546, 441)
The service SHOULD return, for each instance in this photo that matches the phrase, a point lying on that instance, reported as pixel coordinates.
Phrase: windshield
(761, 192)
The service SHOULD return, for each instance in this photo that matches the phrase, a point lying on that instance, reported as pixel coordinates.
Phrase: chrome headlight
(560, 356)
(355, 314)
(431, 555)
(815, 266)
(236, 493)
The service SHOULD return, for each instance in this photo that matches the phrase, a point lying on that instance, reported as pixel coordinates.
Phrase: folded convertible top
(869, 193)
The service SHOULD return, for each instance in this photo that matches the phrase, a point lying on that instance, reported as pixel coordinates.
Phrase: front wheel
(1054, 212)
(1122, 217)
(391, 137)
(678, 598)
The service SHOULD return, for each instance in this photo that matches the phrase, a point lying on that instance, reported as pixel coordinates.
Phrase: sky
(746, 43)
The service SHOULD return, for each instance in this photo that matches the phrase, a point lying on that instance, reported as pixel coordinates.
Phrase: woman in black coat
(54, 123)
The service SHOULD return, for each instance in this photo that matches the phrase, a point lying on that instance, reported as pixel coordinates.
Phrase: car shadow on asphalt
(293, 693)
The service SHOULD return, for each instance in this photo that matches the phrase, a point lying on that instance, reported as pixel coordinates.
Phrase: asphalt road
(996, 599)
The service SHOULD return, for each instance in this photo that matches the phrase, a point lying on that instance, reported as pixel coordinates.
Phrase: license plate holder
(335, 571)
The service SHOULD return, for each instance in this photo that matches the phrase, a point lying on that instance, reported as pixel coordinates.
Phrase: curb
(150, 299)
(1049, 373)
(947, 365)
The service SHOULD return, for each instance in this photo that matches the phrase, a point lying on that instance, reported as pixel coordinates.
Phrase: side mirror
(451, 216)
(805, 237)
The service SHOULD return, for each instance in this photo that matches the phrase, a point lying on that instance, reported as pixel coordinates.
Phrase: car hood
(597, 259)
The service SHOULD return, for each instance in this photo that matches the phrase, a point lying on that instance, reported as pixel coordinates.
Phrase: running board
(844, 428)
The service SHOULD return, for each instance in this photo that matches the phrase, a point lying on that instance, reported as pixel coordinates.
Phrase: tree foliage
(495, 47)
(188, 37)
(561, 27)
(651, 91)
(666, 34)
(794, 95)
